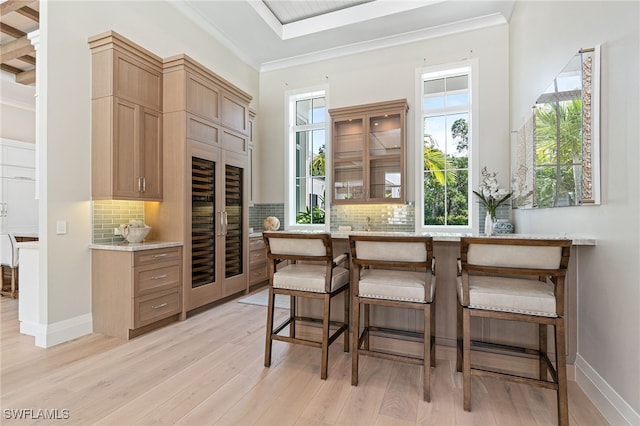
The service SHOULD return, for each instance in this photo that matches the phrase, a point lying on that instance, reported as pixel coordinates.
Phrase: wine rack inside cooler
(233, 221)
(203, 233)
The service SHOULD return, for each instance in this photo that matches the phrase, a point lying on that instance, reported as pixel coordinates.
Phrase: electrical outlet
(117, 231)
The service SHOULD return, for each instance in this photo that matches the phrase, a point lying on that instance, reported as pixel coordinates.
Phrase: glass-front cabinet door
(385, 157)
(348, 170)
(368, 153)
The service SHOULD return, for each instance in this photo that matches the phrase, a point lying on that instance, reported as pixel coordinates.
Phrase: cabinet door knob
(162, 305)
(155, 256)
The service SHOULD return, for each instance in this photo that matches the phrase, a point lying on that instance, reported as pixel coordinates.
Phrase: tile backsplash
(374, 217)
(258, 212)
(109, 214)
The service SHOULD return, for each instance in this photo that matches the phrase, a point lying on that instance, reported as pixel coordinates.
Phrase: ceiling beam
(13, 6)
(16, 48)
(27, 59)
(32, 14)
(9, 68)
(9, 30)
(26, 77)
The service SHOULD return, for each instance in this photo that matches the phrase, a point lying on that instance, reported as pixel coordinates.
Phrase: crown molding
(386, 42)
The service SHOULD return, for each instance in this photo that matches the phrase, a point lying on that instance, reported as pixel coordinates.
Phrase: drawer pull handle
(162, 305)
(159, 277)
(160, 255)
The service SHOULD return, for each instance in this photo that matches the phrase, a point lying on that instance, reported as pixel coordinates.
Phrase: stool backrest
(298, 246)
(391, 251)
(518, 255)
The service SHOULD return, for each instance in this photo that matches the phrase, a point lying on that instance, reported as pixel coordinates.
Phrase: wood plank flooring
(209, 370)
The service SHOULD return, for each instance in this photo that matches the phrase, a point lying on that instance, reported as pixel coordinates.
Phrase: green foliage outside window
(446, 180)
(558, 146)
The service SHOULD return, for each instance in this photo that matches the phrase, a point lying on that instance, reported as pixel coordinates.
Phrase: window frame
(290, 99)
(473, 135)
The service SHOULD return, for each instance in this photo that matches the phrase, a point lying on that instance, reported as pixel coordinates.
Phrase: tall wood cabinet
(126, 114)
(205, 199)
(368, 147)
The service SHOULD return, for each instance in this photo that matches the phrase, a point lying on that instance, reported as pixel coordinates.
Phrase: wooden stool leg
(459, 353)
(367, 309)
(292, 313)
(269, 341)
(433, 332)
(14, 283)
(355, 338)
(466, 361)
(347, 297)
(426, 358)
(561, 370)
(325, 336)
(542, 346)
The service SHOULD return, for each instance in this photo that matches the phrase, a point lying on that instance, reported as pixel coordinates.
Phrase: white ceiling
(251, 30)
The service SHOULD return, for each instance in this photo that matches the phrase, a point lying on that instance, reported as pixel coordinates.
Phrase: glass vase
(488, 224)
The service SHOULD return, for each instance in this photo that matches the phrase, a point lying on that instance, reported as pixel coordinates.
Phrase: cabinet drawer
(151, 278)
(258, 273)
(145, 257)
(256, 244)
(257, 256)
(152, 308)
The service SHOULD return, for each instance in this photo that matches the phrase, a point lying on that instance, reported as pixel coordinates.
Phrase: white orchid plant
(490, 193)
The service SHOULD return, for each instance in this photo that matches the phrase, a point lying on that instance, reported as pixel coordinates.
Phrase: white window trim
(289, 203)
(474, 160)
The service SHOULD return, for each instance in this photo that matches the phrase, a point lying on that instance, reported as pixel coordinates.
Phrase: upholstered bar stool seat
(310, 278)
(302, 265)
(407, 286)
(523, 296)
(399, 272)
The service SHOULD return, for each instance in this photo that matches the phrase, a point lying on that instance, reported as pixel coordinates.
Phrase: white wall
(388, 74)
(17, 111)
(544, 36)
(156, 26)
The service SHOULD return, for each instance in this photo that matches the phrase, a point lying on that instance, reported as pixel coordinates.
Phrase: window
(307, 155)
(446, 120)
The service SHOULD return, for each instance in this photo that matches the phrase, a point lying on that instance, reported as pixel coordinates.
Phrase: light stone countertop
(577, 240)
(125, 246)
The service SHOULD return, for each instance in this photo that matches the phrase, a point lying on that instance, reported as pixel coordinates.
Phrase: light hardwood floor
(209, 370)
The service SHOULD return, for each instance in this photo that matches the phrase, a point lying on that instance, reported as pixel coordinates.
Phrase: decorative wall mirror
(555, 154)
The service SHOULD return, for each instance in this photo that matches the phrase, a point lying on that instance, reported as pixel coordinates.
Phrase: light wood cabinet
(368, 153)
(135, 291)
(126, 114)
(205, 196)
(258, 265)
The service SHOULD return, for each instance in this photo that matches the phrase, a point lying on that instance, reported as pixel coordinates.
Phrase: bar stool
(312, 273)
(517, 280)
(9, 258)
(393, 271)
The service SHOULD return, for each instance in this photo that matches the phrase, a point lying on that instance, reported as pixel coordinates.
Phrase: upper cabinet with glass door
(369, 153)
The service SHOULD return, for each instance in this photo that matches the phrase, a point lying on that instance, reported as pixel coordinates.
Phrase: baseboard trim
(47, 335)
(612, 406)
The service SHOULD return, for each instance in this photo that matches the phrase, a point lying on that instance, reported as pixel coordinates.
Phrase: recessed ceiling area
(292, 11)
(272, 34)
